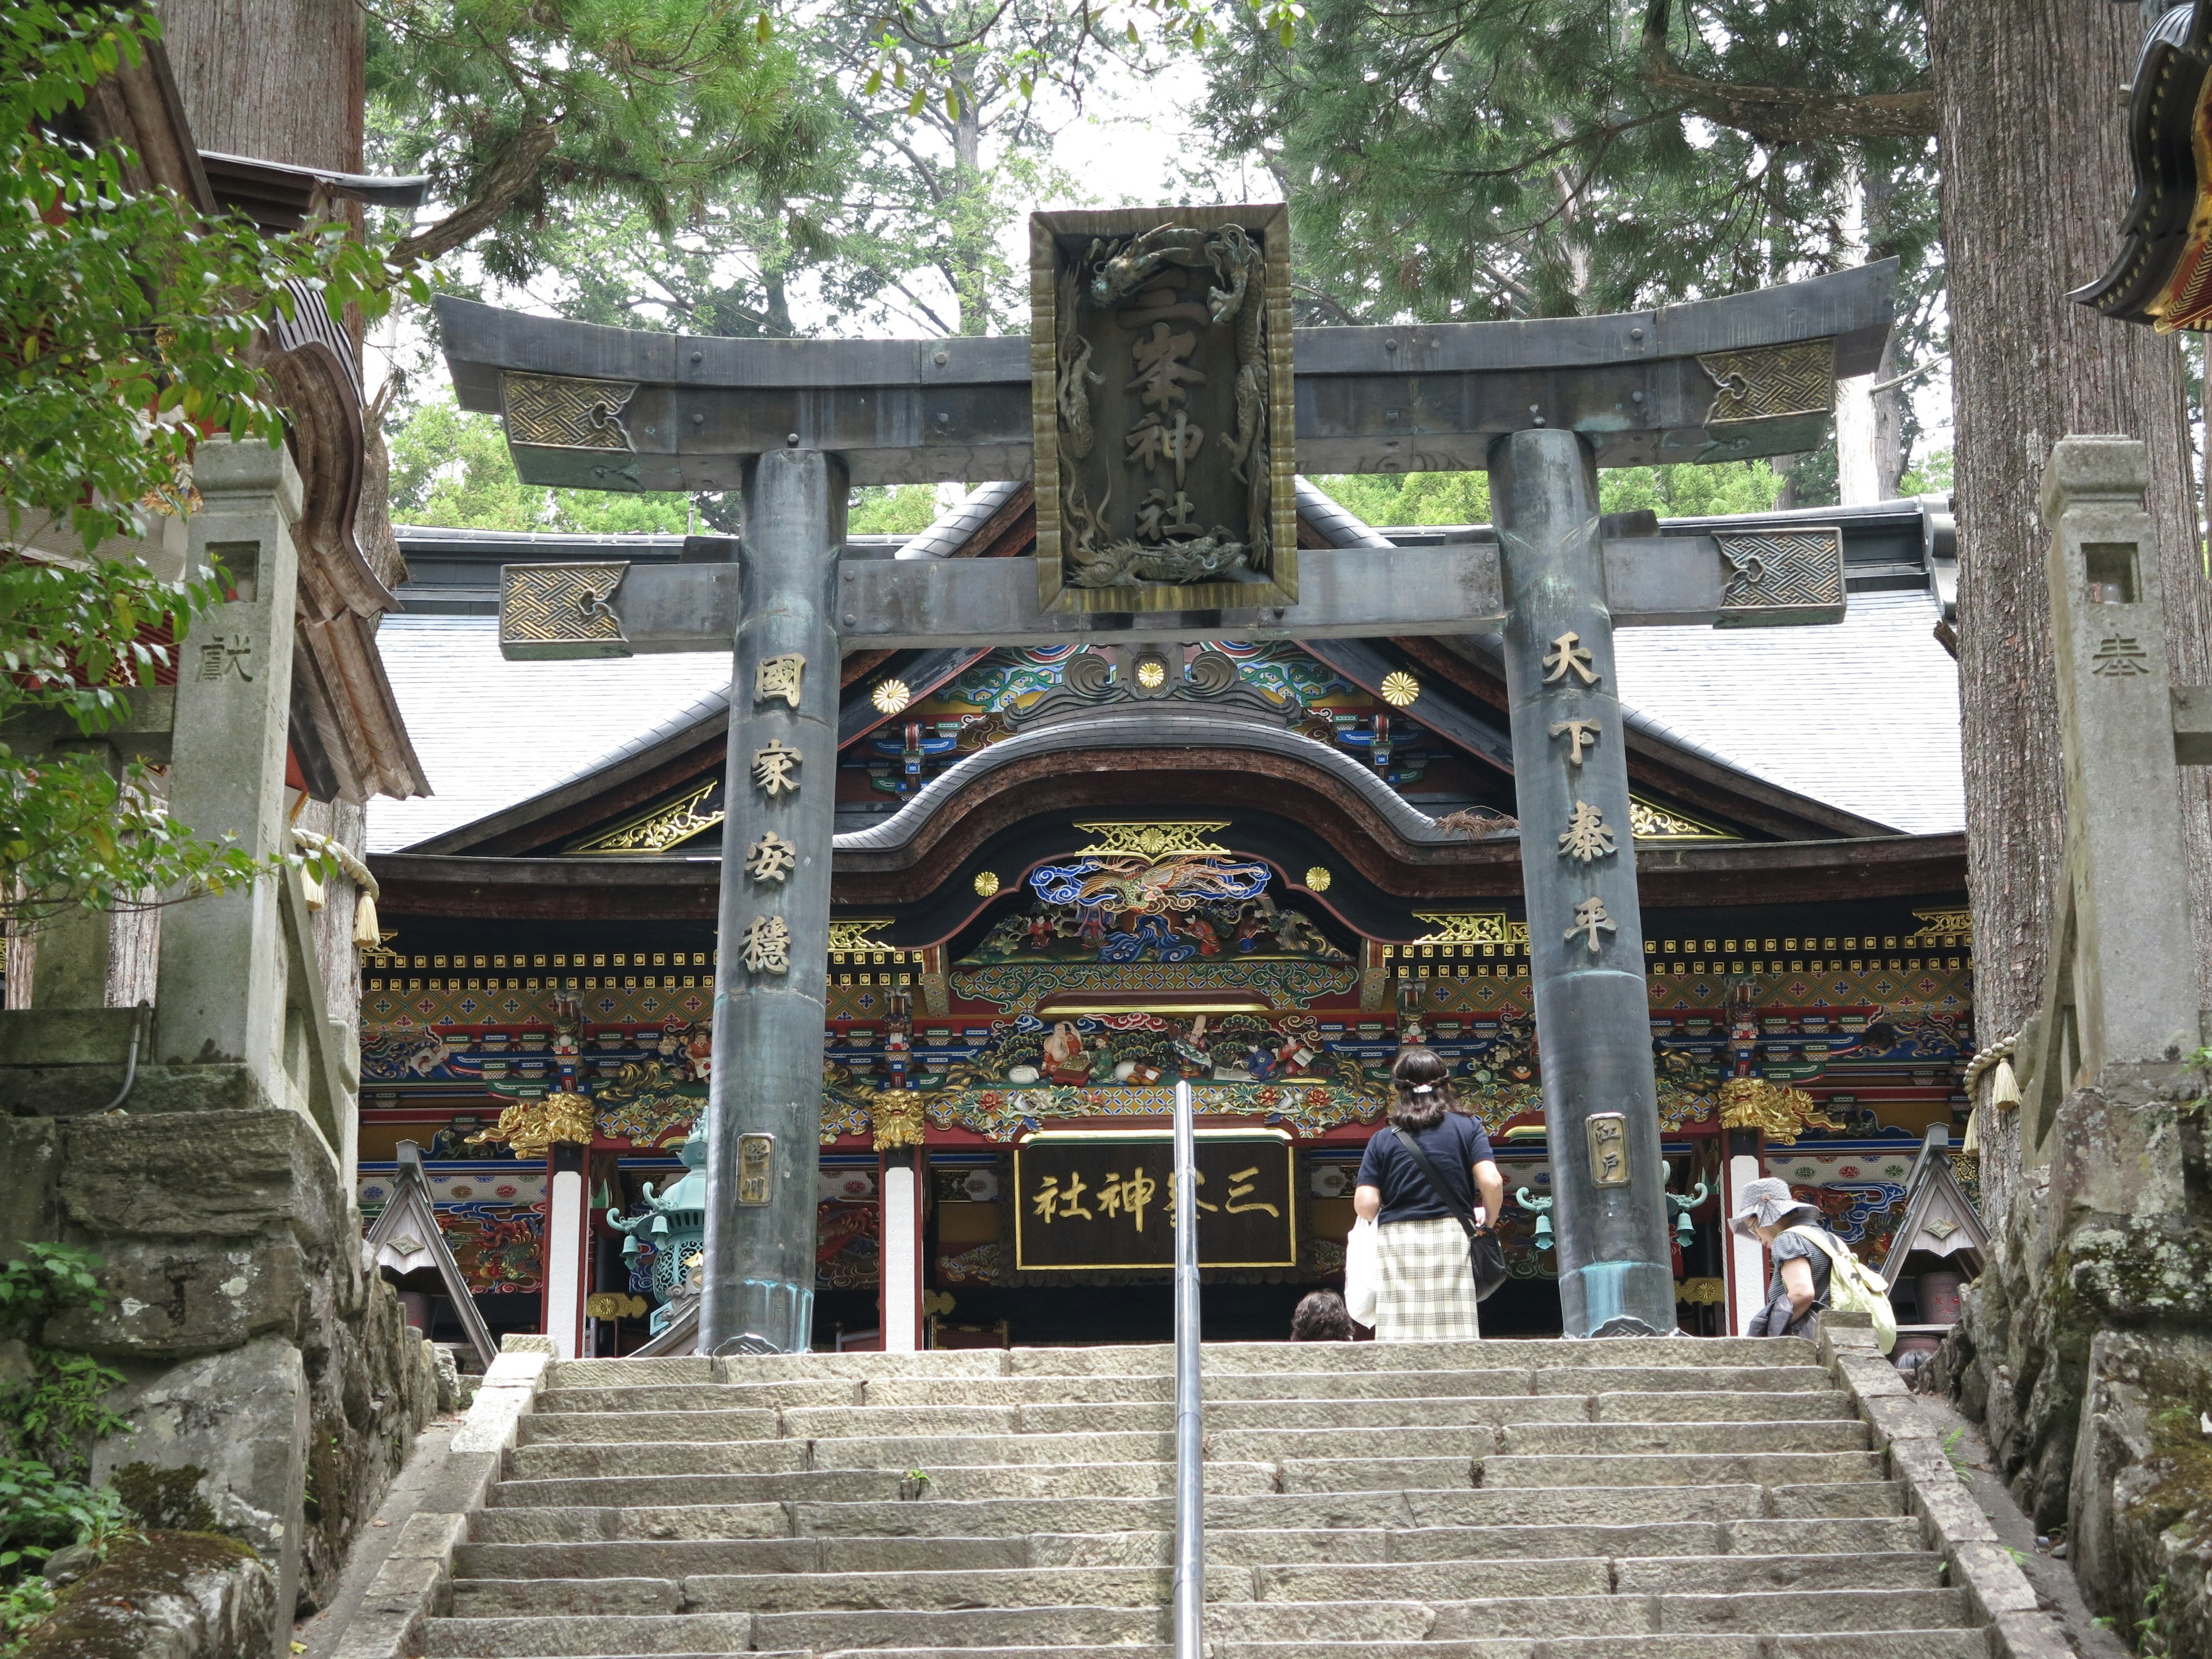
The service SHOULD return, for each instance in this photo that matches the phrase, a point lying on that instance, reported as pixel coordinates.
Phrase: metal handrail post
(1190, 1451)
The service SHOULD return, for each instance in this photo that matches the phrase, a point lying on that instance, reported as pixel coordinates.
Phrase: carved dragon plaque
(1160, 375)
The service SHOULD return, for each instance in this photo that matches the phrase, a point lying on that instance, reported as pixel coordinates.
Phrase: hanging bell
(1543, 1240)
(630, 1247)
(659, 1228)
(1684, 1230)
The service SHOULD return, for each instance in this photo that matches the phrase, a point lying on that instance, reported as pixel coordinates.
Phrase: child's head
(1322, 1318)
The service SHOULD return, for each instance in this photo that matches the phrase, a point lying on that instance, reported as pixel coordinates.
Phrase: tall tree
(2025, 222)
(1487, 158)
(513, 106)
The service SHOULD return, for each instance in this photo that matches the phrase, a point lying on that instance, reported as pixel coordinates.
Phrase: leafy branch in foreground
(131, 328)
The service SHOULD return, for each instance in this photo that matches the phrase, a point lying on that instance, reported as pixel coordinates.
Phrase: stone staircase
(1641, 1499)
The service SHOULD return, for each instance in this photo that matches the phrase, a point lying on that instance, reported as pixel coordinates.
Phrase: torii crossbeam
(1541, 405)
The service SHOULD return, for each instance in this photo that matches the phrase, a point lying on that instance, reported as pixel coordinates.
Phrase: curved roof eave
(1144, 728)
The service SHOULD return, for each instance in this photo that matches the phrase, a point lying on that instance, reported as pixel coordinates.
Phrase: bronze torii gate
(1541, 404)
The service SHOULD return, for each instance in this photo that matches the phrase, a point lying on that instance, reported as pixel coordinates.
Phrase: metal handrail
(1190, 1450)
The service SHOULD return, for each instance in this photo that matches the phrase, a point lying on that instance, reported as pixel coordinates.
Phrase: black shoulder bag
(1485, 1256)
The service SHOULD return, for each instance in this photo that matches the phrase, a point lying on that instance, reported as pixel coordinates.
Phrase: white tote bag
(1363, 1272)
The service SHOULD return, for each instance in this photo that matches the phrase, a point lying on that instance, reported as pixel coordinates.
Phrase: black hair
(1322, 1318)
(1422, 1070)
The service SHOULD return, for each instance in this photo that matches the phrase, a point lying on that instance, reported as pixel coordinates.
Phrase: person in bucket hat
(1775, 1217)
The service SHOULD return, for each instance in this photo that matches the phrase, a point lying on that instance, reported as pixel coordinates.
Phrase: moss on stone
(2180, 1500)
(100, 1616)
(163, 1499)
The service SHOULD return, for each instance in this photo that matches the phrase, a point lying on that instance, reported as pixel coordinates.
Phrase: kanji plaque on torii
(1541, 404)
(1160, 341)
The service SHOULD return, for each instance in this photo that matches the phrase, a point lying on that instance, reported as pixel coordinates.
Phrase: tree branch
(1782, 115)
(500, 189)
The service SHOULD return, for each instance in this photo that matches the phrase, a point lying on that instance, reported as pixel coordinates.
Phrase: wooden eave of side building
(347, 733)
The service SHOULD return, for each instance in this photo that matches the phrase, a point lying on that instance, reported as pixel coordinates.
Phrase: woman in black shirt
(1427, 1291)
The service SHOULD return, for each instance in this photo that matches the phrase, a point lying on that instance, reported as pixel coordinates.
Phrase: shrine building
(1065, 878)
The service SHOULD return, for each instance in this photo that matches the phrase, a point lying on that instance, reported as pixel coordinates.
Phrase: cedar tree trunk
(2035, 180)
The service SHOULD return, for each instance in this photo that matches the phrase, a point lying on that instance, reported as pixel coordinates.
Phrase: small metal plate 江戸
(1609, 1148)
(756, 1167)
(1781, 578)
(548, 611)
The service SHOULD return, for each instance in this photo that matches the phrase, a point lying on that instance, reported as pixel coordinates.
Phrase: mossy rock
(163, 1499)
(164, 1595)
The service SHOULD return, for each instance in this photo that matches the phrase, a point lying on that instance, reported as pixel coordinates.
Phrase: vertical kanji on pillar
(764, 1106)
(1578, 878)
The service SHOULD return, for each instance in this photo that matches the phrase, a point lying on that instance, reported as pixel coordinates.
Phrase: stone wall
(261, 1359)
(2087, 1346)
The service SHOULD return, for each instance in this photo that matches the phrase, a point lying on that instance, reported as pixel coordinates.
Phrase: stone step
(513, 1520)
(1688, 1362)
(1745, 1406)
(1149, 1586)
(937, 1451)
(1410, 1412)
(1875, 1644)
(1692, 1468)
(1372, 1475)
(670, 1452)
(598, 1427)
(1586, 1505)
(1145, 1588)
(858, 1486)
(1359, 1623)
(683, 1556)
(599, 1638)
(688, 1414)
(1836, 1499)
(645, 1395)
(1673, 1439)
(561, 1459)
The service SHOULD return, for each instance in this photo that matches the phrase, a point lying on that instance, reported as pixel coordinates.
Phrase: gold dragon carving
(1781, 1112)
(530, 1126)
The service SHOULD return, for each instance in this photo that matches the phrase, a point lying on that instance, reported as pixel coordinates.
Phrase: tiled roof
(492, 733)
(1864, 716)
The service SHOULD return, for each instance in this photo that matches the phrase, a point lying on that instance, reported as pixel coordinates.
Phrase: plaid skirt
(1427, 1287)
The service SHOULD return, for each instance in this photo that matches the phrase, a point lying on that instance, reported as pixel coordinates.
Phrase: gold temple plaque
(1608, 1149)
(1161, 397)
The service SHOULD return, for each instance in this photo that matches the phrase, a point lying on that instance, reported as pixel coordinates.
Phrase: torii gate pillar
(764, 1094)
(1578, 875)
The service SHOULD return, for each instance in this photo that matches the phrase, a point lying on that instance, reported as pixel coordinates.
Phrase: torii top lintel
(598, 408)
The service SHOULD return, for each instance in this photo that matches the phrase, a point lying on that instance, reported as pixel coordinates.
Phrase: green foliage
(125, 315)
(891, 510)
(1673, 492)
(1961, 1464)
(22, 1604)
(126, 321)
(2152, 1639)
(1932, 477)
(44, 1423)
(61, 1407)
(46, 1280)
(42, 1511)
(451, 467)
(1483, 159)
(523, 111)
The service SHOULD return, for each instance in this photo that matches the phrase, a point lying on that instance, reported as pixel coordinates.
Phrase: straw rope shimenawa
(2004, 1087)
(365, 935)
